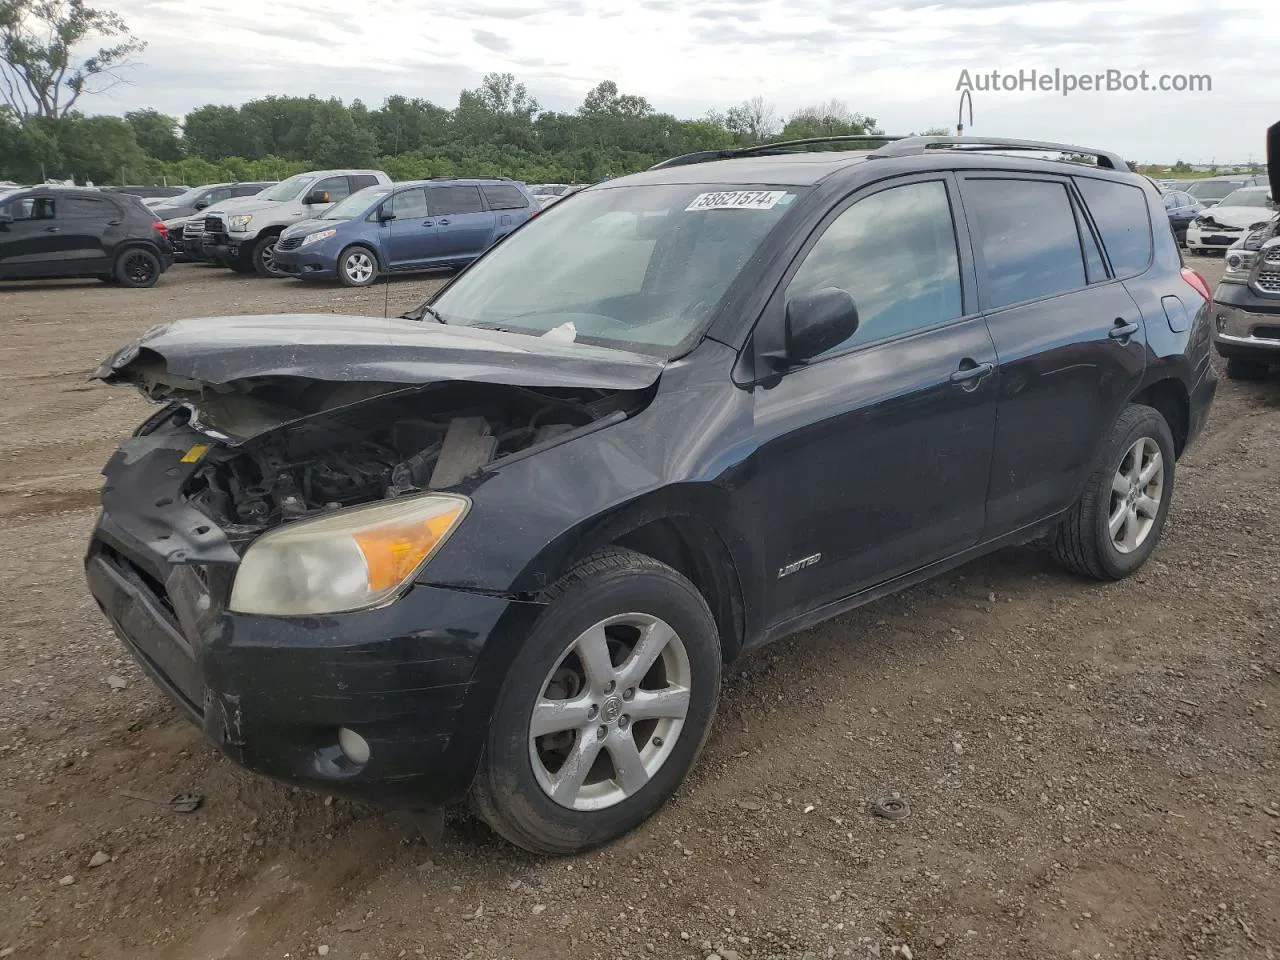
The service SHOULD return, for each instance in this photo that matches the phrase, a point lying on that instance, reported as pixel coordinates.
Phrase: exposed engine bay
(389, 446)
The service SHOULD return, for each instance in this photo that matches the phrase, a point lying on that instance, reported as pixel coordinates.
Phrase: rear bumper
(1244, 322)
(1201, 401)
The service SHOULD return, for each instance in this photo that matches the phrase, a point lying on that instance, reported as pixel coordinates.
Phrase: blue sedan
(420, 225)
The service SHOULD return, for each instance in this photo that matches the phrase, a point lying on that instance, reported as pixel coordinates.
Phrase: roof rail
(913, 146)
(766, 149)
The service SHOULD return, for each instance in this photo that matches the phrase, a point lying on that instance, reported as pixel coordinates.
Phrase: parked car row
(347, 225)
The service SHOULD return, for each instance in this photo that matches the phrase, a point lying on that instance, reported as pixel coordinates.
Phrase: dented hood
(219, 352)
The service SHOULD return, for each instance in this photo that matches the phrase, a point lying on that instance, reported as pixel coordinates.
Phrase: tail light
(161, 229)
(534, 212)
(1197, 283)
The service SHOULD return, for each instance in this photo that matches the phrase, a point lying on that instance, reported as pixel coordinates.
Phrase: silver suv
(244, 235)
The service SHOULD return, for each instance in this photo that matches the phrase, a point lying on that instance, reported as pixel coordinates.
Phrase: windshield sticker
(737, 200)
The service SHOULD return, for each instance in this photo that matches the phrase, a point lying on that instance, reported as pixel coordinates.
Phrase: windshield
(356, 204)
(634, 267)
(1213, 189)
(1246, 198)
(185, 198)
(287, 190)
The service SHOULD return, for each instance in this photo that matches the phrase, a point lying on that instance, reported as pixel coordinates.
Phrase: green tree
(752, 121)
(156, 133)
(336, 140)
(42, 71)
(215, 133)
(830, 119)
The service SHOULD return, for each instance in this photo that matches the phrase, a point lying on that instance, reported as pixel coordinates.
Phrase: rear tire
(137, 268)
(1246, 368)
(358, 267)
(1116, 524)
(614, 603)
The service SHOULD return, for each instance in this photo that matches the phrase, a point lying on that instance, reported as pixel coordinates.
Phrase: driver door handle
(428, 223)
(52, 229)
(971, 374)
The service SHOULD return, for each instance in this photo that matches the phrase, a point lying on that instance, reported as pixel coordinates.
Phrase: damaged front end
(296, 432)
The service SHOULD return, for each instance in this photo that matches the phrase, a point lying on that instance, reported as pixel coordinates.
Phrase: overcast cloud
(896, 60)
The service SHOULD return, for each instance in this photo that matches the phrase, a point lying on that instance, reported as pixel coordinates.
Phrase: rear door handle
(444, 223)
(971, 374)
(429, 223)
(1122, 330)
(52, 229)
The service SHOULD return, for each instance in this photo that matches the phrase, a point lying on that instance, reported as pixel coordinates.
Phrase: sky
(899, 61)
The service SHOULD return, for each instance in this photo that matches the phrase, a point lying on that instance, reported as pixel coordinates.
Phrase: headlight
(351, 559)
(1238, 263)
(317, 236)
(240, 221)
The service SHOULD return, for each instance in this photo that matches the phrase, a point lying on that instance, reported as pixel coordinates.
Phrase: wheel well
(1170, 398)
(693, 549)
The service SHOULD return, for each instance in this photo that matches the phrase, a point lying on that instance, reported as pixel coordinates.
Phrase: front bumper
(416, 678)
(1217, 238)
(1244, 322)
(307, 263)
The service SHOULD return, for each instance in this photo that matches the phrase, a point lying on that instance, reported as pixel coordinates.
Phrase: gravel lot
(1092, 771)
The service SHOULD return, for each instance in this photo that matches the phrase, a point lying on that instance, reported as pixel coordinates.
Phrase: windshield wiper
(426, 310)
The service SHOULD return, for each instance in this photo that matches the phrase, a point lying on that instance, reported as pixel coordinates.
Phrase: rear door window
(86, 208)
(500, 196)
(459, 199)
(1120, 212)
(1025, 232)
(361, 180)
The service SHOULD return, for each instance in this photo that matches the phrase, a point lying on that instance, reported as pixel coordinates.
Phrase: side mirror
(317, 196)
(818, 321)
(201, 204)
(5, 220)
(385, 213)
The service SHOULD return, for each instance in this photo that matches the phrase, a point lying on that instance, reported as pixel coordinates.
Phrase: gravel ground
(1091, 770)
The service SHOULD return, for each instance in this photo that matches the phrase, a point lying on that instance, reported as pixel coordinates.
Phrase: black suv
(50, 232)
(501, 547)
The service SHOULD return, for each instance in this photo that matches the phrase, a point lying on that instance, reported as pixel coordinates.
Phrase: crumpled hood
(218, 352)
(1239, 217)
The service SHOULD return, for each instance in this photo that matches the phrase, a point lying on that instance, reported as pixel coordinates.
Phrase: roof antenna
(964, 95)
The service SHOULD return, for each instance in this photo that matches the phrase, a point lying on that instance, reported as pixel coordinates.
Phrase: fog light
(1234, 261)
(354, 747)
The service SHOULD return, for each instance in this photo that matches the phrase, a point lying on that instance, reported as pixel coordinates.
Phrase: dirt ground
(1092, 771)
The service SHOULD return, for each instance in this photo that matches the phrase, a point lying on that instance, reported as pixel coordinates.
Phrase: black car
(1181, 208)
(50, 232)
(501, 548)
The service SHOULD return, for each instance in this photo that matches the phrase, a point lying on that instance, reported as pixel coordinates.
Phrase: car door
(411, 236)
(509, 204)
(30, 243)
(875, 456)
(85, 225)
(464, 227)
(1070, 341)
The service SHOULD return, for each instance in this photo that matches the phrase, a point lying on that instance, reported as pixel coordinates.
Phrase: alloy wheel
(268, 257)
(358, 267)
(139, 268)
(1137, 490)
(610, 712)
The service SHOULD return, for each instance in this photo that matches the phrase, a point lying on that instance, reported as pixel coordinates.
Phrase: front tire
(1115, 525)
(264, 256)
(357, 267)
(604, 709)
(137, 268)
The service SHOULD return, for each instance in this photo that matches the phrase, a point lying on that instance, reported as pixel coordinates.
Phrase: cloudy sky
(896, 60)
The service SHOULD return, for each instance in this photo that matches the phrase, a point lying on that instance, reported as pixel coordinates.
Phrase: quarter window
(894, 252)
(1120, 211)
(1026, 231)
(460, 199)
(503, 197)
